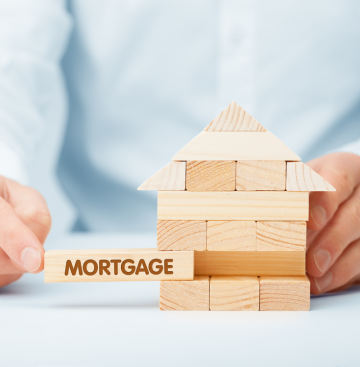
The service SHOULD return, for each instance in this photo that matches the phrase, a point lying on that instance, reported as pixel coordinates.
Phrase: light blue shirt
(136, 80)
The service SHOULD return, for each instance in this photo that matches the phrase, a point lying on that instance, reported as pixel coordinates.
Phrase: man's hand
(333, 240)
(25, 222)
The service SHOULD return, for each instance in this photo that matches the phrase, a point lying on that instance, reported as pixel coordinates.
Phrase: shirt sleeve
(33, 38)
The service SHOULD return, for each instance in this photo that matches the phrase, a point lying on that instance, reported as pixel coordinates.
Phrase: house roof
(234, 135)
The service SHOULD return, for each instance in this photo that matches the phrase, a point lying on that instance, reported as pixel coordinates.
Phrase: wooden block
(118, 265)
(301, 177)
(260, 175)
(171, 177)
(231, 236)
(234, 293)
(233, 205)
(254, 263)
(284, 294)
(210, 175)
(281, 236)
(234, 118)
(235, 146)
(185, 295)
(181, 235)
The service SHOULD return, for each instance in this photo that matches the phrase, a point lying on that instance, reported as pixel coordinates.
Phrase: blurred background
(118, 87)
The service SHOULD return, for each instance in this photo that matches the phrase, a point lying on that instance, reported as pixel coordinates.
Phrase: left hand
(333, 239)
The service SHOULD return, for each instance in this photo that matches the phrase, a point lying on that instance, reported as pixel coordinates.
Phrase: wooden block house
(239, 198)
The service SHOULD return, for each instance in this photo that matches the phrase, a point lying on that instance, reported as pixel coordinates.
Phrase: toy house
(239, 198)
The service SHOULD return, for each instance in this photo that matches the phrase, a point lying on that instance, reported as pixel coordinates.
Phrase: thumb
(24, 224)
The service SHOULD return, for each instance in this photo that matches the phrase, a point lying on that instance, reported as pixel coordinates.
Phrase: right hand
(25, 222)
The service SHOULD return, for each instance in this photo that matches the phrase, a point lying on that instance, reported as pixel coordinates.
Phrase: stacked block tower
(239, 198)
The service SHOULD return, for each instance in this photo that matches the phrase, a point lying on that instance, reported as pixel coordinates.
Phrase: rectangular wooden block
(234, 293)
(284, 294)
(210, 175)
(254, 263)
(235, 146)
(281, 236)
(260, 175)
(234, 205)
(118, 265)
(181, 235)
(231, 236)
(185, 295)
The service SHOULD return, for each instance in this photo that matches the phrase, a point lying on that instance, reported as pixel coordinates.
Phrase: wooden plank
(170, 177)
(260, 175)
(118, 265)
(250, 263)
(181, 235)
(235, 146)
(301, 177)
(234, 293)
(284, 294)
(234, 118)
(281, 236)
(185, 295)
(231, 236)
(210, 175)
(234, 205)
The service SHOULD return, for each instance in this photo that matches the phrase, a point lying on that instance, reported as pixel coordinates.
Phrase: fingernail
(30, 259)
(318, 215)
(323, 282)
(322, 259)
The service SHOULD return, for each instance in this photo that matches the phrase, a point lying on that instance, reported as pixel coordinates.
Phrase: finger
(342, 274)
(343, 229)
(18, 241)
(30, 206)
(342, 170)
(8, 278)
(7, 266)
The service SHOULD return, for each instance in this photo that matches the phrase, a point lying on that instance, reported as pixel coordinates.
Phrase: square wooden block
(260, 175)
(284, 293)
(234, 293)
(231, 236)
(210, 175)
(192, 295)
(181, 235)
(281, 236)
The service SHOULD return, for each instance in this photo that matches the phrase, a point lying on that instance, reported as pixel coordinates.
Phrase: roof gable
(236, 136)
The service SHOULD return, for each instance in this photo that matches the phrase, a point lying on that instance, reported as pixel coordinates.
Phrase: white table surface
(119, 324)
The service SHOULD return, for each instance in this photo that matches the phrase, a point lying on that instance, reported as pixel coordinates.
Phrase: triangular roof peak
(234, 118)
(234, 135)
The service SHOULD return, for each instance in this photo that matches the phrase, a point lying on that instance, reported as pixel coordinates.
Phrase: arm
(33, 37)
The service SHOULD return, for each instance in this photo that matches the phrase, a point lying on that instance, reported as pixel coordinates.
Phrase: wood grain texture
(185, 295)
(235, 146)
(234, 205)
(301, 177)
(254, 263)
(281, 236)
(181, 235)
(234, 293)
(111, 265)
(210, 175)
(231, 236)
(234, 118)
(170, 177)
(260, 175)
(284, 294)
